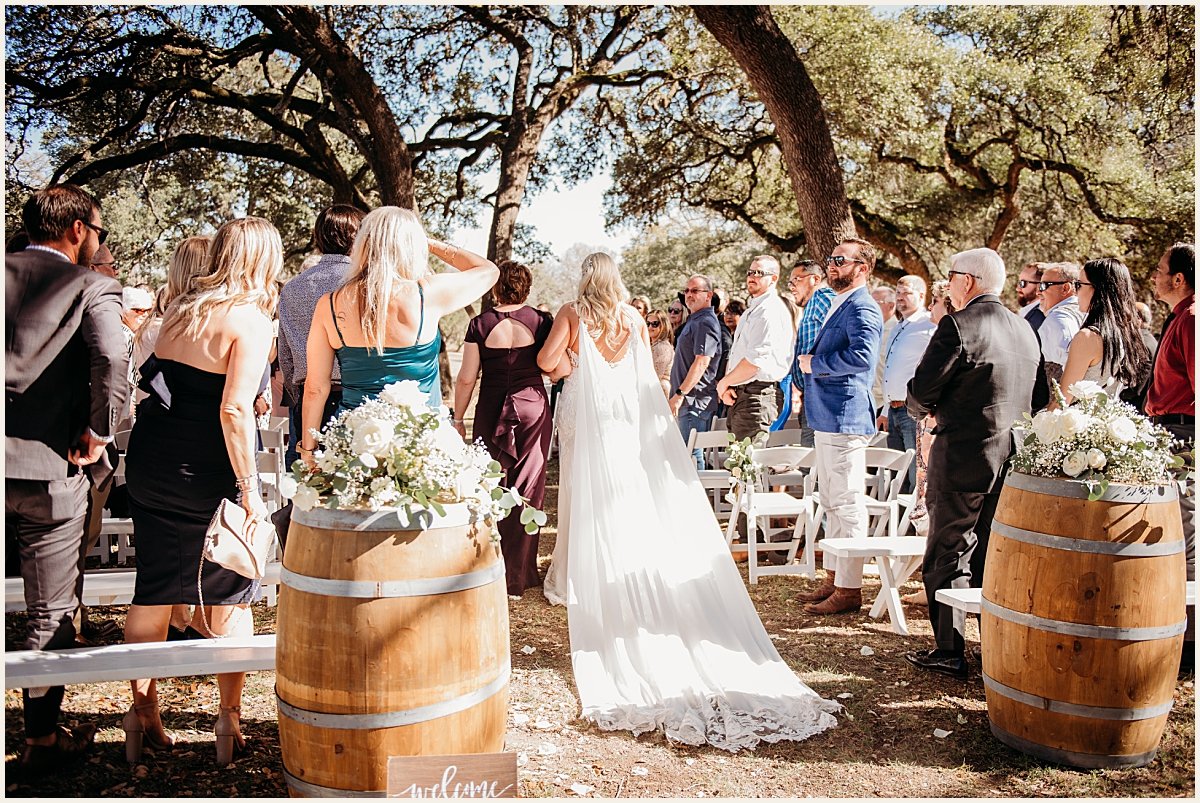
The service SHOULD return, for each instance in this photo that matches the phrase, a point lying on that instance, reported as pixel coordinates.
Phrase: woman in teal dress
(382, 323)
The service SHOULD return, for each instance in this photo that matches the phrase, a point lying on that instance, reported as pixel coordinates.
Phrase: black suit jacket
(65, 366)
(981, 371)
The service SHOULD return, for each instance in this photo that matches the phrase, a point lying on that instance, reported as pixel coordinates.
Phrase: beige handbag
(237, 541)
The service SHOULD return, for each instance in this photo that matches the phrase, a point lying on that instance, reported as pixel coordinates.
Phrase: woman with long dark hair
(1109, 348)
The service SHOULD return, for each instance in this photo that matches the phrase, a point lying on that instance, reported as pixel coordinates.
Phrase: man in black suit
(65, 383)
(981, 371)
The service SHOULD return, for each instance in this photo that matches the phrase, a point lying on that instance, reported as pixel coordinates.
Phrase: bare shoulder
(249, 320)
(568, 311)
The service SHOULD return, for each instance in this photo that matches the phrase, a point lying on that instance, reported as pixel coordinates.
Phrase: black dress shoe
(71, 746)
(946, 663)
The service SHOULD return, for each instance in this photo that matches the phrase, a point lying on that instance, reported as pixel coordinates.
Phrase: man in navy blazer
(837, 395)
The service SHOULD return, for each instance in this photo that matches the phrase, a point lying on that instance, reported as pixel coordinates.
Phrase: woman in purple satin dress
(512, 415)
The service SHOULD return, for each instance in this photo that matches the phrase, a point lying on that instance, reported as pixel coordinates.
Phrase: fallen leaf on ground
(867, 650)
(528, 650)
(941, 734)
(582, 788)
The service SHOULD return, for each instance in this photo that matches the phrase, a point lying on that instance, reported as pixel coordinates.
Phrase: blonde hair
(391, 245)
(243, 260)
(188, 260)
(602, 293)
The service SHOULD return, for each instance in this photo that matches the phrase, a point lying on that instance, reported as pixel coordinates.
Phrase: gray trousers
(959, 527)
(46, 521)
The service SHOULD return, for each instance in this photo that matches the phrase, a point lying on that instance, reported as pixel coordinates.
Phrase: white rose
(306, 498)
(1072, 422)
(1074, 464)
(326, 461)
(1122, 430)
(1096, 459)
(372, 436)
(1086, 389)
(405, 394)
(447, 439)
(288, 486)
(1045, 426)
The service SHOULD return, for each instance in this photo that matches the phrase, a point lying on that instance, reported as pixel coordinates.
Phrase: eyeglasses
(1079, 284)
(756, 274)
(1044, 286)
(952, 273)
(839, 260)
(1023, 283)
(654, 324)
(103, 233)
(693, 290)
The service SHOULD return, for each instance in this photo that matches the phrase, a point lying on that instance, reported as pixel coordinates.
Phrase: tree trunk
(778, 76)
(343, 73)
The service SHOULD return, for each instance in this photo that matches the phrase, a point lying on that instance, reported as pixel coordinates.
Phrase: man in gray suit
(65, 384)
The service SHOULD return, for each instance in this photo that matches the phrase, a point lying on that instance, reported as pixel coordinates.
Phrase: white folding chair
(752, 498)
(784, 437)
(270, 462)
(887, 469)
(716, 479)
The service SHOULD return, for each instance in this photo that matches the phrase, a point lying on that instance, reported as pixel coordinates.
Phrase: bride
(663, 633)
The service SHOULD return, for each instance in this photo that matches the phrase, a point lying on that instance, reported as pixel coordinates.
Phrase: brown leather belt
(896, 405)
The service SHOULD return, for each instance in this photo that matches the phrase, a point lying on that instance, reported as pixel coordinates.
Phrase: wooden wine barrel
(392, 640)
(1082, 620)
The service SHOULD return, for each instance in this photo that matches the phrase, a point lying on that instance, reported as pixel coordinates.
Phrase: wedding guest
(677, 314)
(332, 237)
(760, 356)
(939, 307)
(65, 381)
(662, 347)
(979, 374)
(188, 261)
(732, 315)
(1109, 348)
(836, 375)
(1029, 296)
(103, 262)
(785, 385)
(193, 445)
(512, 415)
(1171, 398)
(641, 304)
(1146, 318)
(885, 296)
(808, 287)
(902, 350)
(698, 349)
(136, 305)
(382, 323)
(1063, 317)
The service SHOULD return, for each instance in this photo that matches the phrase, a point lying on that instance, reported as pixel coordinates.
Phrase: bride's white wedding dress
(663, 633)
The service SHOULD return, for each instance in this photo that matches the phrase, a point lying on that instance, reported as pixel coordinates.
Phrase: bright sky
(562, 218)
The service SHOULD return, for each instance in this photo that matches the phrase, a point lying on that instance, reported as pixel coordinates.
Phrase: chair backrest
(890, 467)
(121, 439)
(782, 465)
(720, 425)
(708, 440)
(272, 438)
(784, 437)
(878, 439)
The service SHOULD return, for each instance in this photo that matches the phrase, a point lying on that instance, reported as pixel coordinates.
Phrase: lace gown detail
(663, 633)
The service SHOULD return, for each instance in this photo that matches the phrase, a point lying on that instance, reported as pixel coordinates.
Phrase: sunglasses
(757, 274)
(103, 233)
(675, 310)
(952, 273)
(653, 324)
(839, 261)
(1023, 283)
(1044, 286)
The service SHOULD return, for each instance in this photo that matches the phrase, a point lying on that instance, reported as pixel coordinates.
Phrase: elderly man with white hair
(980, 372)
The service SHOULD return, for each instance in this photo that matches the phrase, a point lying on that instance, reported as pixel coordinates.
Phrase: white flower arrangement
(739, 459)
(395, 451)
(1096, 440)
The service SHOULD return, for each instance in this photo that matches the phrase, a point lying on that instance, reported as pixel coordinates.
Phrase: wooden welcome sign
(471, 775)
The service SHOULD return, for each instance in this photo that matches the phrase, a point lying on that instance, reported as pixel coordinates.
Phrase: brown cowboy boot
(824, 591)
(843, 600)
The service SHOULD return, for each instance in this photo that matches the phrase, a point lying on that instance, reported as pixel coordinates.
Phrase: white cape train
(663, 633)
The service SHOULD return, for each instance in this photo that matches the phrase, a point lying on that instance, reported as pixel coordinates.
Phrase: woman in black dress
(192, 446)
(512, 415)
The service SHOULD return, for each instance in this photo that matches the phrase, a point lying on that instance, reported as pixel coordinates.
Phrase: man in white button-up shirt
(902, 351)
(761, 354)
(1063, 317)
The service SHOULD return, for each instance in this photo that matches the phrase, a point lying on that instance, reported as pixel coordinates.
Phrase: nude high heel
(136, 735)
(229, 734)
